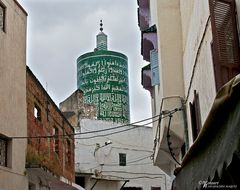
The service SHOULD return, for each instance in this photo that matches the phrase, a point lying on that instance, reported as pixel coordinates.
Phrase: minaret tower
(102, 75)
(101, 39)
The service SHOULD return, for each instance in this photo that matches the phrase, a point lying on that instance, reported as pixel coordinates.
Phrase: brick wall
(45, 119)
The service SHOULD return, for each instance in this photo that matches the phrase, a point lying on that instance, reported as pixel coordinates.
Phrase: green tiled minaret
(103, 77)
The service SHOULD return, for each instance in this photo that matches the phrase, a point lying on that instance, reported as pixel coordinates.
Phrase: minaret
(102, 75)
(101, 39)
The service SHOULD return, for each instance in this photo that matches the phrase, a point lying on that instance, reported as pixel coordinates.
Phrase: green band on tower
(103, 77)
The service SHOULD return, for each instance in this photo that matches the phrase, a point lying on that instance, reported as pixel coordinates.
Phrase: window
(56, 140)
(122, 159)
(48, 110)
(68, 152)
(225, 46)
(155, 188)
(154, 67)
(31, 186)
(37, 112)
(80, 180)
(3, 152)
(2, 17)
(195, 115)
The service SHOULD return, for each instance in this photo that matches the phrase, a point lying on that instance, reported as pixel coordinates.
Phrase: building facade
(50, 148)
(162, 47)
(197, 53)
(118, 160)
(103, 77)
(13, 115)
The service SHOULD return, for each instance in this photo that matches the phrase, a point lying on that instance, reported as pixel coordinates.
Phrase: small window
(155, 188)
(2, 17)
(3, 152)
(122, 159)
(31, 186)
(80, 180)
(56, 140)
(37, 112)
(48, 110)
(68, 152)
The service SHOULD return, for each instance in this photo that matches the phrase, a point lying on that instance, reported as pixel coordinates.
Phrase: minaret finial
(101, 24)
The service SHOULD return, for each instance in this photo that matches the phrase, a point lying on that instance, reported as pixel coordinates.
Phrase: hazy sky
(61, 30)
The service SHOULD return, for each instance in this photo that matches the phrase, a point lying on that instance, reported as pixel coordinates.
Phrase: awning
(147, 78)
(44, 178)
(217, 144)
(149, 42)
(143, 14)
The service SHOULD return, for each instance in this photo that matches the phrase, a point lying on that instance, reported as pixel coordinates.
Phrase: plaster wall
(197, 60)
(13, 119)
(137, 144)
(170, 48)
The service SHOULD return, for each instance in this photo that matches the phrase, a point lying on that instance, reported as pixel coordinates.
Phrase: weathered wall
(75, 103)
(13, 94)
(41, 151)
(137, 144)
(197, 58)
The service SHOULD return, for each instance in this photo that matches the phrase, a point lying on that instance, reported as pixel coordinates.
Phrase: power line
(130, 161)
(89, 132)
(135, 127)
(139, 177)
(121, 126)
(168, 139)
(136, 173)
(83, 133)
(113, 140)
(116, 132)
(107, 165)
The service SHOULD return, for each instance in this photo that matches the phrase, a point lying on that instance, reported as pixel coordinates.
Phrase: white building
(193, 50)
(109, 162)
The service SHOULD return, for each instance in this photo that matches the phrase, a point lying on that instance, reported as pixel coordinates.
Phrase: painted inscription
(104, 81)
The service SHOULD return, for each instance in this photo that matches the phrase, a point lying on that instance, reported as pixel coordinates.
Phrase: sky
(59, 31)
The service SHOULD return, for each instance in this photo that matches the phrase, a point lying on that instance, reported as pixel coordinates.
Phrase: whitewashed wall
(197, 57)
(137, 144)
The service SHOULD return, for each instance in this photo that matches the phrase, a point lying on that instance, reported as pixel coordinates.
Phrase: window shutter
(154, 67)
(195, 115)
(226, 50)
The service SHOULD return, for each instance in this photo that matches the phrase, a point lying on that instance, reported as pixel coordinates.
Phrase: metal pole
(94, 185)
(124, 184)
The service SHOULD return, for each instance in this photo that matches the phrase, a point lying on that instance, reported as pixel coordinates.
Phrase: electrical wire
(89, 132)
(109, 165)
(103, 135)
(131, 161)
(168, 139)
(113, 140)
(135, 127)
(125, 172)
(127, 163)
(121, 126)
(83, 133)
(139, 177)
(171, 112)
